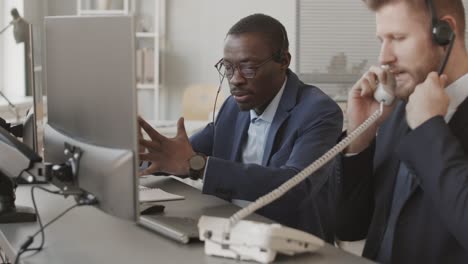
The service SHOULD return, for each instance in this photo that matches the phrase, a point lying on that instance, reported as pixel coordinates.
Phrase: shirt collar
(457, 93)
(270, 111)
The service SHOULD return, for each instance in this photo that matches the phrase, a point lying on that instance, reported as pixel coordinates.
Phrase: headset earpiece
(278, 56)
(441, 33)
(440, 30)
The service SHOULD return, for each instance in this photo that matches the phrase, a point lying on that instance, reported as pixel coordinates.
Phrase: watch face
(197, 162)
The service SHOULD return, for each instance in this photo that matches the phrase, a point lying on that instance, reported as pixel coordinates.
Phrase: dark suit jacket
(306, 124)
(432, 226)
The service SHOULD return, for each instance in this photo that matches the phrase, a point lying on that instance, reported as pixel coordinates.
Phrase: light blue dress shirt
(254, 147)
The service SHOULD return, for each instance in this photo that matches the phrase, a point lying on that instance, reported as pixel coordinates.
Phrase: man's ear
(285, 60)
(452, 22)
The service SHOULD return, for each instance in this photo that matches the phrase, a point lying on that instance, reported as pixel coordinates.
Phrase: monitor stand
(9, 213)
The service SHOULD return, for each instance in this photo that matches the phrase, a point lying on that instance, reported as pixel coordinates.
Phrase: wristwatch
(197, 165)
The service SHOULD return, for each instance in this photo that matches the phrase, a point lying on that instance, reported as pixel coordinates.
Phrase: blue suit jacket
(306, 125)
(432, 226)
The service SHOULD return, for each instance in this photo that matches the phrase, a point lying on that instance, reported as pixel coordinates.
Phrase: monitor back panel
(90, 78)
(91, 98)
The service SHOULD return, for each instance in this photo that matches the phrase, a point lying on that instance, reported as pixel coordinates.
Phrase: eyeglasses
(246, 71)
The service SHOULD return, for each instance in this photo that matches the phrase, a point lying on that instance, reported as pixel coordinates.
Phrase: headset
(442, 34)
(440, 29)
(279, 56)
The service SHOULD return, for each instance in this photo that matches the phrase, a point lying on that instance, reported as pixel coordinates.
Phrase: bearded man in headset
(403, 185)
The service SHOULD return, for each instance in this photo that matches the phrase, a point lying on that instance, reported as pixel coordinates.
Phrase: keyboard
(182, 229)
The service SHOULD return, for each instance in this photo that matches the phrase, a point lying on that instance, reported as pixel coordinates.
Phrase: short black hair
(266, 25)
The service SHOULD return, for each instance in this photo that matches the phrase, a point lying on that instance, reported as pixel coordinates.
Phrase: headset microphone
(222, 75)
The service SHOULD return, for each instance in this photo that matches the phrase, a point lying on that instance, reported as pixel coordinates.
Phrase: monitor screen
(91, 104)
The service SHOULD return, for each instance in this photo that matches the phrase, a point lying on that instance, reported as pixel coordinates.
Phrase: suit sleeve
(203, 141)
(234, 180)
(355, 198)
(440, 163)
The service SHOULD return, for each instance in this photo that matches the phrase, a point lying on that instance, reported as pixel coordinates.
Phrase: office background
(331, 41)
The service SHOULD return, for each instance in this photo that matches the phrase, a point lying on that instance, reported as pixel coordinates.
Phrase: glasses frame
(219, 66)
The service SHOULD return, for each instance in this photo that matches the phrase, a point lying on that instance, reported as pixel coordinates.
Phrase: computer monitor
(91, 104)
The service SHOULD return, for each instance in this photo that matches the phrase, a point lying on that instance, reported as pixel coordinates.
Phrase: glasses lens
(248, 73)
(229, 70)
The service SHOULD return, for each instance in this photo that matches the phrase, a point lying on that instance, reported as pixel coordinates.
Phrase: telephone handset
(382, 95)
(385, 93)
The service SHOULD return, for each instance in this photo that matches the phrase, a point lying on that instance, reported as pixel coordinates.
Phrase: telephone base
(253, 241)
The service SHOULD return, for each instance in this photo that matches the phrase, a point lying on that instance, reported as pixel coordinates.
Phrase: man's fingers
(150, 145)
(152, 133)
(379, 73)
(153, 157)
(367, 87)
(181, 132)
(150, 170)
(141, 148)
(443, 81)
(435, 79)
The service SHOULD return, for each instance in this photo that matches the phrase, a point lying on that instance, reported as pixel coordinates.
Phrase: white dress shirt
(457, 93)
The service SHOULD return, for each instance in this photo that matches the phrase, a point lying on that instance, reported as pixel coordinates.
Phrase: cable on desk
(24, 247)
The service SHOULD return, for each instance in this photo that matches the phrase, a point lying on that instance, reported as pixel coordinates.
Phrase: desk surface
(87, 235)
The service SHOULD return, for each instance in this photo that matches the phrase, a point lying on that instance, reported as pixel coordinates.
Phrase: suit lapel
(395, 133)
(405, 129)
(242, 124)
(287, 102)
(280, 117)
(391, 134)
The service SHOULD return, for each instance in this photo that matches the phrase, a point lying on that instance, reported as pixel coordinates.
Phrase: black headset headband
(280, 53)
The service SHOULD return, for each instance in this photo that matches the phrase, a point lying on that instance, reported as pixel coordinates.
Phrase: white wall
(1, 48)
(13, 79)
(195, 38)
(11, 54)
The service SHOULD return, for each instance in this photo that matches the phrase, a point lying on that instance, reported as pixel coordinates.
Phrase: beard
(408, 79)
